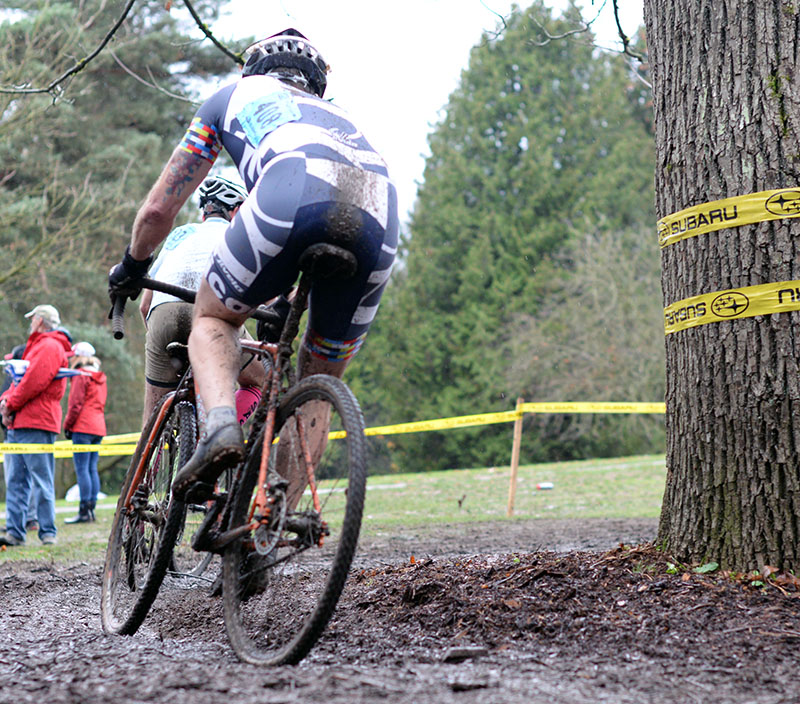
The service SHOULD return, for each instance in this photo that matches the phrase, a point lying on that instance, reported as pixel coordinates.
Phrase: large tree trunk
(727, 117)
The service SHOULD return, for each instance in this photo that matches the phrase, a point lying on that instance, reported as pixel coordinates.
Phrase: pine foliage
(75, 163)
(543, 142)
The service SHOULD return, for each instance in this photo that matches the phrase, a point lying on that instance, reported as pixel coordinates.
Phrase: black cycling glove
(122, 279)
(270, 331)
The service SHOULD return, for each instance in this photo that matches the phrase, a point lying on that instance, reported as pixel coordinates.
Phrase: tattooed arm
(182, 174)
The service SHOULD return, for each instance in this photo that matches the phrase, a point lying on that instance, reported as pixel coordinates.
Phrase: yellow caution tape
(731, 304)
(729, 212)
(510, 416)
(65, 448)
(590, 407)
(102, 450)
(421, 426)
(26, 448)
(126, 437)
(108, 439)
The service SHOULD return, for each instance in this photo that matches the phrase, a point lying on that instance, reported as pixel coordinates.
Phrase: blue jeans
(32, 502)
(86, 466)
(24, 472)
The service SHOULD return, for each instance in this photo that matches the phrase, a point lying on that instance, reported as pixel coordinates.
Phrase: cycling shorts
(167, 322)
(300, 200)
(172, 322)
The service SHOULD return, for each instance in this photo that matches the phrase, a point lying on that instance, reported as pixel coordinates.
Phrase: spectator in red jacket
(31, 411)
(85, 424)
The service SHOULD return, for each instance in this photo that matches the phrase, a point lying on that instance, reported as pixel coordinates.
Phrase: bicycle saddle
(178, 356)
(328, 261)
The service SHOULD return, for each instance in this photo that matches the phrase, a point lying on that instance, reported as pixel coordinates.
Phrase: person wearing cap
(31, 411)
(85, 424)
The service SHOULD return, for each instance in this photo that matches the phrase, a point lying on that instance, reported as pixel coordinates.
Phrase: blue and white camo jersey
(304, 164)
(259, 117)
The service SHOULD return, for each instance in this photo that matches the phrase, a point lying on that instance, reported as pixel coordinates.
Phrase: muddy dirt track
(517, 612)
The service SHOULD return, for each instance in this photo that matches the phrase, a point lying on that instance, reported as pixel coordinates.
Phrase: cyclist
(312, 177)
(183, 261)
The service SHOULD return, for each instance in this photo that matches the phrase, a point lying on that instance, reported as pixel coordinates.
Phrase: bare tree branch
(205, 30)
(53, 88)
(497, 32)
(636, 70)
(624, 37)
(586, 26)
(90, 21)
(552, 37)
(149, 84)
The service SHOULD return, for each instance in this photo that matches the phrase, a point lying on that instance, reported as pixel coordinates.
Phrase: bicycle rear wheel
(281, 585)
(134, 568)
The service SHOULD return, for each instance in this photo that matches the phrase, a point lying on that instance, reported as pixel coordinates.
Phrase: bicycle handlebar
(118, 317)
(185, 294)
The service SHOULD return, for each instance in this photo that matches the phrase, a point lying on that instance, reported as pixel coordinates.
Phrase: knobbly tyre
(287, 525)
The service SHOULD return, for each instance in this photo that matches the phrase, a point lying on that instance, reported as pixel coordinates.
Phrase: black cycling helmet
(287, 49)
(227, 193)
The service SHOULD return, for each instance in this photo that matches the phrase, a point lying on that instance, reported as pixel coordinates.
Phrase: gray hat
(47, 313)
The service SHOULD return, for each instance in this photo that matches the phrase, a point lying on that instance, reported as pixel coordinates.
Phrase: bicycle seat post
(291, 328)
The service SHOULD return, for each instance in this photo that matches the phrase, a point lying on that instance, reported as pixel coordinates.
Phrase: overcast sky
(394, 64)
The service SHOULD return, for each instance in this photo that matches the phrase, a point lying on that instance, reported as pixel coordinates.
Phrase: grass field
(629, 487)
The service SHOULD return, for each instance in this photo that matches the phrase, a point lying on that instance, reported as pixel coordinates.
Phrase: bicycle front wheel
(134, 567)
(282, 581)
(185, 519)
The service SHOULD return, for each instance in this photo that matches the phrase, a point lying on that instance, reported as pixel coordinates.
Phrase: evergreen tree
(542, 141)
(76, 163)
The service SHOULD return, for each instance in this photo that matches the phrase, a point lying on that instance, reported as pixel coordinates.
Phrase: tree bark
(727, 121)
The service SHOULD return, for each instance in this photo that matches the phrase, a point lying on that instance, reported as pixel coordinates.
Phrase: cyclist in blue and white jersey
(312, 177)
